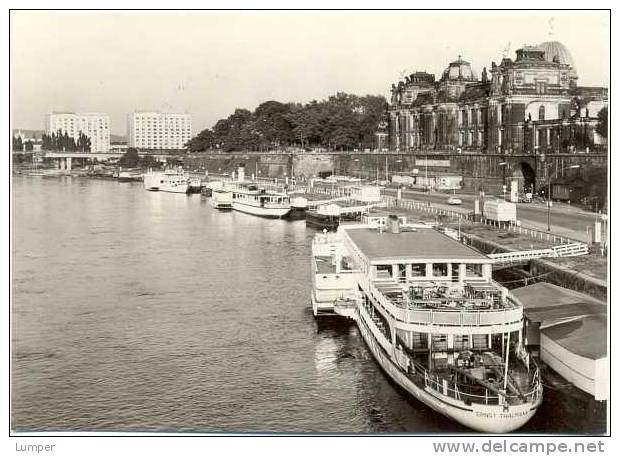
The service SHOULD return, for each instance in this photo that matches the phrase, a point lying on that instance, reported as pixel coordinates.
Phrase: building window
(541, 87)
(541, 113)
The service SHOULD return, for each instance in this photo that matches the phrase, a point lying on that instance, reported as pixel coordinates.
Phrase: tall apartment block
(158, 130)
(94, 125)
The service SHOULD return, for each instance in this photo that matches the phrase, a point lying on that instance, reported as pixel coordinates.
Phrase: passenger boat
(221, 199)
(194, 185)
(433, 318)
(251, 199)
(170, 180)
(299, 206)
(129, 176)
(210, 186)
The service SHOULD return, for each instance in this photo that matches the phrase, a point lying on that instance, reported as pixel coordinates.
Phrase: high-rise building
(158, 130)
(94, 125)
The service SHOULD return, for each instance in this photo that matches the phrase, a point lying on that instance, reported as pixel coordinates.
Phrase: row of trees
(343, 121)
(62, 141)
(19, 144)
(131, 159)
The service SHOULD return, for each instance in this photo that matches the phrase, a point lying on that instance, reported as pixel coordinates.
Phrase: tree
(83, 143)
(28, 146)
(130, 159)
(148, 161)
(343, 121)
(17, 143)
(204, 140)
(601, 126)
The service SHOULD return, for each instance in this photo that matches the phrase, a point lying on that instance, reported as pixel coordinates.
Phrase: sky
(209, 63)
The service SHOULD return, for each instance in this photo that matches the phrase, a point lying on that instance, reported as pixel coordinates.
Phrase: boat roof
(421, 244)
(586, 336)
(547, 303)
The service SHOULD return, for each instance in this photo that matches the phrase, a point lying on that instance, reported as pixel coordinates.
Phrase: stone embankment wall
(569, 278)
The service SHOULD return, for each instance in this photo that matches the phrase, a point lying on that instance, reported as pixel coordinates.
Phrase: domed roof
(459, 69)
(556, 50)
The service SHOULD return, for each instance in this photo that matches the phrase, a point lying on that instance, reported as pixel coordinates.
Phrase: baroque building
(530, 105)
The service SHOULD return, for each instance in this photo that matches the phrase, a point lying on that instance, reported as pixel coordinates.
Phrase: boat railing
(462, 392)
(445, 317)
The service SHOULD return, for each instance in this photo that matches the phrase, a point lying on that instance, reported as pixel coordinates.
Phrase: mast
(507, 356)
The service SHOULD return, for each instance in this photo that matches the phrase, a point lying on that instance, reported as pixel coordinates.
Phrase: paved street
(565, 220)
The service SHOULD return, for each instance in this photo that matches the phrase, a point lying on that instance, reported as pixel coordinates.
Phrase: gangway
(524, 256)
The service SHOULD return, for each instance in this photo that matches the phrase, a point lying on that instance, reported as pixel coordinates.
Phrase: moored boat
(221, 199)
(129, 176)
(194, 185)
(299, 206)
(433, 318)
(171, 180)
(253, 200)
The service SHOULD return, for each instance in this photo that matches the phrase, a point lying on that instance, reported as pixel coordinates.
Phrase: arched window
(541, 113)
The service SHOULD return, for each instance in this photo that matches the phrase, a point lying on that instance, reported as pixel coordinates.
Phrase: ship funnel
(241, 173)
(393, 224)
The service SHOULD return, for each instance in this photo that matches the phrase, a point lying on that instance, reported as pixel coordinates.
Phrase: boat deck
(428, 295)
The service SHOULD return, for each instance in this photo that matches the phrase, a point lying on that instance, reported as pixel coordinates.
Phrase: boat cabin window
(461, 342)
(402, 271)
(419, 340)
(440, 342)
(480, 341)
(384, 271)
(418, 270)
(455, 272)
(474, 270)
(440, 269)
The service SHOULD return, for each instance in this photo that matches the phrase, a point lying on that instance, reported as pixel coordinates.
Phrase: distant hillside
(38, 133)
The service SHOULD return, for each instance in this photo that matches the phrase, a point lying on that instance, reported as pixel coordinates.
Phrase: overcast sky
(209, 63)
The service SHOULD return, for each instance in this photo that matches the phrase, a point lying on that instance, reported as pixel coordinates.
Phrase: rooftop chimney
(393, 224)
(241, 173)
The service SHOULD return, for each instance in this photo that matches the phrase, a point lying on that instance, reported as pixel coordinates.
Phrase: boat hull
(221, 206)
(480, 417)
(267, 212)
(297, 213)
(320, 221)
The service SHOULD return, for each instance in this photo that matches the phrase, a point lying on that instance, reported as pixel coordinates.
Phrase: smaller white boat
(258, 201)
(299, 206)
(221, 199)
(129, 176)
(171, 180)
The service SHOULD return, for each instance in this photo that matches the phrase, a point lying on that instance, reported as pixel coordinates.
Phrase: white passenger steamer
(171, 180)
(433, 319)
(254, 200)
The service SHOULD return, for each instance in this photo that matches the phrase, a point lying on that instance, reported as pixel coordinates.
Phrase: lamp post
(549, 190)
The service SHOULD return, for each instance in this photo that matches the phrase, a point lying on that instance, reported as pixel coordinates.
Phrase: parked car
(453, 200)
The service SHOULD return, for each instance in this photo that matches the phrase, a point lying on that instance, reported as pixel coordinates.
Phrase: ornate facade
(530, 105)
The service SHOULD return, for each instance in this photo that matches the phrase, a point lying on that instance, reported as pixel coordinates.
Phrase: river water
(141, 311)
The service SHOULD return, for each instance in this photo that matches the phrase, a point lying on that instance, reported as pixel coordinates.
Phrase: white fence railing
(565, 250)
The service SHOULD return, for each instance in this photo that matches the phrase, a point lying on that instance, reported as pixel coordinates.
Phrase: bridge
(65, 158)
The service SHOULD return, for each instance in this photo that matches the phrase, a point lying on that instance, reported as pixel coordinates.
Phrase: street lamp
(549, 190)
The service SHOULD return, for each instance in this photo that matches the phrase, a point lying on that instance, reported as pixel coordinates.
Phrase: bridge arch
(526, 177)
